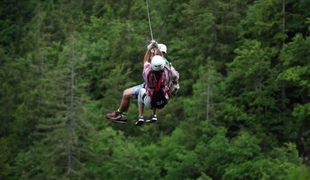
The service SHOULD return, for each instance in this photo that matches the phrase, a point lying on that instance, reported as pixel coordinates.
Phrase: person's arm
(158, 52)
(146, 56)
(146, 64)
(152, 49)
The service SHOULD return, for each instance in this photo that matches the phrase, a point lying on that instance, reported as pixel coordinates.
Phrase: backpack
(158, 98)
(173, 82)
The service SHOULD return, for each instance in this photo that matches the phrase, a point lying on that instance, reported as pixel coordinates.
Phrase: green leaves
(243, 100)
(295, 58)
(300, 173)
(263, 22)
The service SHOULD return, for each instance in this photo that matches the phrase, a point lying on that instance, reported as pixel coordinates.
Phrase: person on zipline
(120, 115)
(154, 95)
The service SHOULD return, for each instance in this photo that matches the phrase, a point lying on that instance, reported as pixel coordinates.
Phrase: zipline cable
(148, 15)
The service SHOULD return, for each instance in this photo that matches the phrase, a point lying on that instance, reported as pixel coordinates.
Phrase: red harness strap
(157, 85)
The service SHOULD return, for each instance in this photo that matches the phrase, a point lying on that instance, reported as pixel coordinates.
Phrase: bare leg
(124, 106)
(154, 111)
(141, 108)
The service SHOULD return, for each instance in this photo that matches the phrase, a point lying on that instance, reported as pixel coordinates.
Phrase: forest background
(242, 111)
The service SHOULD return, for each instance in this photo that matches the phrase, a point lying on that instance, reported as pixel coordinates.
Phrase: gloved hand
(152, 45)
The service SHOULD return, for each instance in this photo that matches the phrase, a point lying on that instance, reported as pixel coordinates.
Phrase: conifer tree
(64, 130)
(295, 56)
(204, 103)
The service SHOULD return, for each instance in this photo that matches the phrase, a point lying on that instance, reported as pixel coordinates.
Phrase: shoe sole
(151, 121)
(139, 123)
(116, 121)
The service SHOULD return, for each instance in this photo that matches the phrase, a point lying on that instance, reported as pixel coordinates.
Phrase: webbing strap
(157, 85)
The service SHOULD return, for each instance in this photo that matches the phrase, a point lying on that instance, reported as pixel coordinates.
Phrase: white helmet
(157, 63)
(162, 48)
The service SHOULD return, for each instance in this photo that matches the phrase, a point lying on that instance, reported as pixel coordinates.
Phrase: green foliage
(264, 22)
(249, 88)
(295, 58)
(300, 173)
(263, 167)
(242, 111)
(32, 164)
(205, 99)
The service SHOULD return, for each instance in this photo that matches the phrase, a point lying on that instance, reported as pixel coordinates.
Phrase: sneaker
(116, 117)
(140, 121)
(152, 118)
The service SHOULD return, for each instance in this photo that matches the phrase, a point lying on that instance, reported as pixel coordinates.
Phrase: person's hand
(155, 45)
(152, 45)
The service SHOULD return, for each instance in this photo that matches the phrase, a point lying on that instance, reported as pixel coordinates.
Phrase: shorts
(135, 90)
(144, 99)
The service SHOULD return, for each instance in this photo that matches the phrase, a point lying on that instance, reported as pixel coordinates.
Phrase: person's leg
(120, 115)
(127, 95)
(147, 102)
(141, 100)
(124, 106)
(141, 97)
(153, 116)
(154, 111)
(141, 109)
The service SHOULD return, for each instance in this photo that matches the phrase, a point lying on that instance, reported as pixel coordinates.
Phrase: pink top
(164, 82)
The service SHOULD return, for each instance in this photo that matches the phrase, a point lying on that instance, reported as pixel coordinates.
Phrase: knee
(127, 93)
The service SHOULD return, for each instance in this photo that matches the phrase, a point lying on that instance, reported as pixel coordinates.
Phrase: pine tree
(21, 102)
(295, 56)
(248, 88)
(204, 103)
(64, 129)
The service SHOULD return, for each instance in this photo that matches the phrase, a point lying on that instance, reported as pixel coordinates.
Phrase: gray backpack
(173, 82)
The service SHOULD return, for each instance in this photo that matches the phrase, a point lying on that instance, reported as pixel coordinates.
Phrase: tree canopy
(241, 113)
